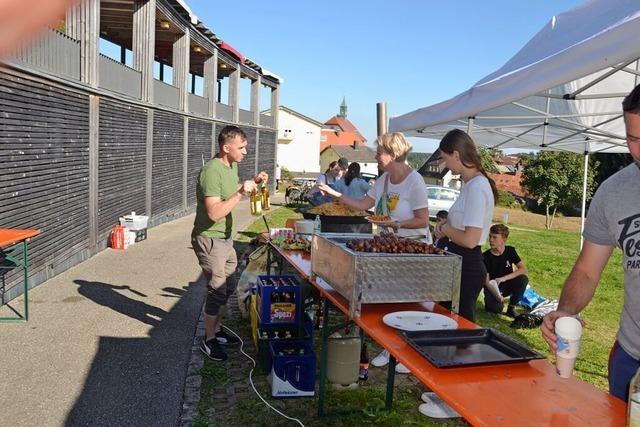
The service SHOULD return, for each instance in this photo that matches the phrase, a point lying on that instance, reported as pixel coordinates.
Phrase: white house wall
(303, 152)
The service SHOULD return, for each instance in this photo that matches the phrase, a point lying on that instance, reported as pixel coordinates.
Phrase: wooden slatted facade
(79, 148)
(267, 151)
(199, 152)
(44, 157)
(247, 168)
(121, 162)
(168, 151)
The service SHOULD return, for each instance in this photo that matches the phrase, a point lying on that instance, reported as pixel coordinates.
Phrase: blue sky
(409, 53)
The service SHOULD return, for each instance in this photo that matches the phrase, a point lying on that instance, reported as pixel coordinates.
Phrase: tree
(487, 155)
(416, 160)
(555, 179)
(610, 164)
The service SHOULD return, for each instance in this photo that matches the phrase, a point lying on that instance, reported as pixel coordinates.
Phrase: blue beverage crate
(278, 299)
(293, 371)
(262, 343)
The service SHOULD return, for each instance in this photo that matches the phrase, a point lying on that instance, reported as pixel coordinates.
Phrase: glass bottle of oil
(266, 198)
(633, 406)
(256, 203)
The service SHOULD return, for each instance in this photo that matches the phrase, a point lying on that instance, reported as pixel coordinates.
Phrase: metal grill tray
(468, 347)
(377, 278)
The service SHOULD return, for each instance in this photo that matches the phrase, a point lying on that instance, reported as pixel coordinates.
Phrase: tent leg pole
(584, 197)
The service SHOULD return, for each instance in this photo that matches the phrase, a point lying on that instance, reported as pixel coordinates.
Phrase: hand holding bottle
(261, 177)
(248, 186)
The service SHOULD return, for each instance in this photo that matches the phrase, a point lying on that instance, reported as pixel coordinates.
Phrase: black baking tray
(468, 347)
(335, 219)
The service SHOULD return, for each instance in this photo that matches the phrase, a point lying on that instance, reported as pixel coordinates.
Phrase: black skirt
(472, 279)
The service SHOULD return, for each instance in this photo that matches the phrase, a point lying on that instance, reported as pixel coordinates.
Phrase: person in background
(399, 193)
(613, 221)
(343, 163)
(329, 177)
(467, 226)
(352, 184)
(440, 240)
(500, 260)
(218, 191)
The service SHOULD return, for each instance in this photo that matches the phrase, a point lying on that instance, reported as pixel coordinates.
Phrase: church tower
(343, 108)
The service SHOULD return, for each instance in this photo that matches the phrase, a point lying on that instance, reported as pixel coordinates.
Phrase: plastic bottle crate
(262, 341)
(293, 371)
(134, 222)
(278, 299)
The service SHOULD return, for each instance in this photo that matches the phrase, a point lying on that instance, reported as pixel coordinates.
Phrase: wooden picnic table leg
(25, 271)
(391, 375)
(323, 357)
(269, 259)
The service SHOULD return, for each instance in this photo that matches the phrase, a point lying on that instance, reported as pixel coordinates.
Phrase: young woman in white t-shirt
(399, 192)
(469, 220)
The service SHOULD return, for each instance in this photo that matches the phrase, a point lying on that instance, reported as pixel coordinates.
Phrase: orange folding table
(13, 237)
(522, 393)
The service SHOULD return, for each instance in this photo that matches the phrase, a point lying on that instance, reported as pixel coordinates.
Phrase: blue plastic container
(264, 353)
(278, 299)
(293, 371)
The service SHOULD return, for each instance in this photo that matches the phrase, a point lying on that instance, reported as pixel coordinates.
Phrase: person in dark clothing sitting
(500, 261)
(441, 241)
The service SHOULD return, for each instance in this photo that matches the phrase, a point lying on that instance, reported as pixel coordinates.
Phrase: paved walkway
(108, 342)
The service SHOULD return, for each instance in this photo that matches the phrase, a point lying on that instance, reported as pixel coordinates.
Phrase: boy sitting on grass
(500, 261)
(441, 241)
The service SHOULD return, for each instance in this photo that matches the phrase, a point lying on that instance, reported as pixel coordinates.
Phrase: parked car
(440, 198)
(369, 177)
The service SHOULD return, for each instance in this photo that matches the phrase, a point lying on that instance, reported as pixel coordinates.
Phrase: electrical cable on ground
(251, 379)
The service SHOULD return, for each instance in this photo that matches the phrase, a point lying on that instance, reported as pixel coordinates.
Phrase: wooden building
(85, 139)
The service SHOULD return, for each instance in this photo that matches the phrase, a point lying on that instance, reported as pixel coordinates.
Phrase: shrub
(508, 200)
(285, 174)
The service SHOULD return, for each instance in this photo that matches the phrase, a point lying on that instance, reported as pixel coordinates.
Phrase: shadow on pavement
(139, 381)
(107, 295)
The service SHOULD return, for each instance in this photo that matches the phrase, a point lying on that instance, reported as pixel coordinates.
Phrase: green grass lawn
(549, 256)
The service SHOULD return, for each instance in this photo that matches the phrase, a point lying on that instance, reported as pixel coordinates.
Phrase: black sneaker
(213, 350)
(511, 312)
(225, 338)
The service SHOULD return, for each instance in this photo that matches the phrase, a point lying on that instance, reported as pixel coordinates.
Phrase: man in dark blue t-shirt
(500, 261)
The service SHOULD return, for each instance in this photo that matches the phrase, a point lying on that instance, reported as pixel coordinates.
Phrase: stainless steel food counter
(370, 278)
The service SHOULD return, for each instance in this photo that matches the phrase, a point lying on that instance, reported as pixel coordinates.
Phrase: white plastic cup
(495, 290)
(568, 334)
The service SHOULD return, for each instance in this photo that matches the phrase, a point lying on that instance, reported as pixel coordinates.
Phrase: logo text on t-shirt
(629, 240)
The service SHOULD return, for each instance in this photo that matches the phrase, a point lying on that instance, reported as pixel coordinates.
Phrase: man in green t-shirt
(218, 191)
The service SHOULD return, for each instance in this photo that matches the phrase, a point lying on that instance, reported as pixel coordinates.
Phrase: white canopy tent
(562, 91)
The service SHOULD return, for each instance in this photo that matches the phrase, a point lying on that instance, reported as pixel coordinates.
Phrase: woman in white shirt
(352, 183)
(469, 220)
(399, 192)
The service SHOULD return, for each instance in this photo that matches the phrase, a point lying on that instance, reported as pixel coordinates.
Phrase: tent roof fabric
(562, 91)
